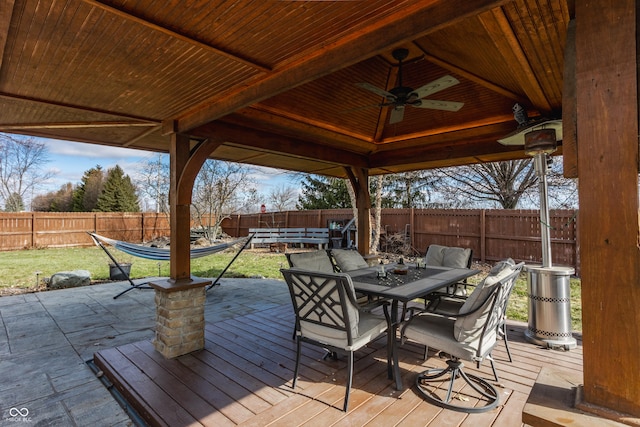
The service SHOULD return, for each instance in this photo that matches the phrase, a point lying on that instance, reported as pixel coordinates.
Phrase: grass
(24, 271)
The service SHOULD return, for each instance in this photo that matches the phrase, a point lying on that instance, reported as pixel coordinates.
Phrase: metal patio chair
(327, 315)
(469, 335)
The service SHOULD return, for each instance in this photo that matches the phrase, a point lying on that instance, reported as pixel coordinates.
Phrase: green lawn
(20, 270)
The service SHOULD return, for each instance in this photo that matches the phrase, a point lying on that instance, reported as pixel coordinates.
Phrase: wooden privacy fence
(492, 234)
(26, 230)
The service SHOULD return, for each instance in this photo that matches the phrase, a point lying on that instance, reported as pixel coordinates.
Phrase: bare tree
(153, 181)
(220, 190)
(507, 184)
(283, 198)
(22, 170)
(501, 183)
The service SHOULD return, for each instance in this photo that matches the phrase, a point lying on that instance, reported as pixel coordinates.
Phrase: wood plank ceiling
(275, 81)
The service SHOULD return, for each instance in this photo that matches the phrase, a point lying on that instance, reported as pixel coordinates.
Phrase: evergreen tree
(319, 192)
(14, 203)
(85, 196)
(118, 193)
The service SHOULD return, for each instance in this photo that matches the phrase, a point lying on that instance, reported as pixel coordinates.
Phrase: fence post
(412, 214)
(33, 230)
(483, 235)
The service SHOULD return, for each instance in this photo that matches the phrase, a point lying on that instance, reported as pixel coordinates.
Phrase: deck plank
(244, 376)
(150, 400)
(174, 388)
(216, 397)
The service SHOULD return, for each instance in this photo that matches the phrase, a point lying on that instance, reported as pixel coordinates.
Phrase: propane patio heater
(548, 285)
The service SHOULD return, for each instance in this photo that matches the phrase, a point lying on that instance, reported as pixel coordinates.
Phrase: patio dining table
(415, 283)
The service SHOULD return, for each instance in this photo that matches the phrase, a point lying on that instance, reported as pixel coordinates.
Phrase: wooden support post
(607, 136)
(180, 299)
(180, 209)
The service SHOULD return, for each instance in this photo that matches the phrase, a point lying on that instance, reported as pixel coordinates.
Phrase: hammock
(159, 254)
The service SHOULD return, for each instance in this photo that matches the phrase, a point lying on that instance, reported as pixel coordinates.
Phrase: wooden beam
(73, 125)
(6, 12)
(505, 123)
(569, 107)
(267, 120)
(255, 139)
(417, 19)
(497, 26)
(197, 156)
(174, 34)
(476, 79)
(287, 121)
(607, 129)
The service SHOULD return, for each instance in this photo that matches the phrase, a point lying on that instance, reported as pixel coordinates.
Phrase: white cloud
(80, 149)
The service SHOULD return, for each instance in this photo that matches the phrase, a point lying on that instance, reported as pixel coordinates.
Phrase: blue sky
(69, 160)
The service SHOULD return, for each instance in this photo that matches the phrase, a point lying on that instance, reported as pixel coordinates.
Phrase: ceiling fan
(401, 96)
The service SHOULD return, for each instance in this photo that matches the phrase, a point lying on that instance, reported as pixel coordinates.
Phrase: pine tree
(319, 192)
(14, 203)
(118, 193)
(85, 196)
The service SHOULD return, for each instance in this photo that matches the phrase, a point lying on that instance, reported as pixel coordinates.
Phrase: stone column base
(179, 316)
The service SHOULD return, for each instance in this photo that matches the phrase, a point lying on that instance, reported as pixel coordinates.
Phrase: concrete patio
(46, 339)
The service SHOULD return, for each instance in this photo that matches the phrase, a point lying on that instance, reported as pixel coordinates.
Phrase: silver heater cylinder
(549, 287)
(540, 164)
(539, 144)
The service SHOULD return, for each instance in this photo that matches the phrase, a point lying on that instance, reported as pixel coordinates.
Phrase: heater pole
(540, 164)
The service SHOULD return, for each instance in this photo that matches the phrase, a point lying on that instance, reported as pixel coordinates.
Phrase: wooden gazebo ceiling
(275, 81)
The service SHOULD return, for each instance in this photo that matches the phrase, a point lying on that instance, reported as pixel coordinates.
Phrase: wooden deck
(243, 377)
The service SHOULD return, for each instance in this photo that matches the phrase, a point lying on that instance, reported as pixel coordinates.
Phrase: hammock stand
(159, 254)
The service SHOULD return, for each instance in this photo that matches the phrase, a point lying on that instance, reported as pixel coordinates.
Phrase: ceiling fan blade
(377, 90)
(439, 105)
(397, 114)
(436, 86)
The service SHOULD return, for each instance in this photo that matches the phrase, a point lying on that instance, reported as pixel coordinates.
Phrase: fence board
(64, 229)
(492, 234)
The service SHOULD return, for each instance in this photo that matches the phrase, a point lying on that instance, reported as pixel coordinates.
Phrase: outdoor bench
(310, 236)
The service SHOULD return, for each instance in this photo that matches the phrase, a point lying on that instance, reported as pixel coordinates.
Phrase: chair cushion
(435, 255)
(456, 257)
(364, 331)
(435, 331)
(348, 260)
(444, 256)
(313, 261)
(469, 327)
